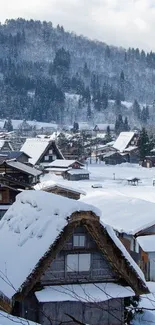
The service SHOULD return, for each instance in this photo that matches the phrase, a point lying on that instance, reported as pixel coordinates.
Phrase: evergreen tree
(126, 125)
(104, 97)
(136, 109)
(89, 113)
(144, 144)
(118, 102)
(8, 125)
(108, 137)
(145, 114)
(75, 127)
(86, 71)
(119, 124)
(122, 85)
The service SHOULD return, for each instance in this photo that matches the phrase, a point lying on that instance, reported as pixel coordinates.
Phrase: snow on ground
(147, 305)
(114, 178)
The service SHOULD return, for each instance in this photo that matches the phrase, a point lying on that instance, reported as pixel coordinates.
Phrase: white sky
(127, 23)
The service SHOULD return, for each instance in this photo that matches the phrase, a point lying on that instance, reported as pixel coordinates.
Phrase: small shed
(64, 190)
(76, 174)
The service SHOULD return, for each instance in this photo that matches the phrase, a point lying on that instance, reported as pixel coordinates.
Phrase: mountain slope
(39, 64)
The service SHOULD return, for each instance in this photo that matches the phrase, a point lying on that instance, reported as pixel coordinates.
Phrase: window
(54, 157)
(50, 151)
(78, 240)
(78, 262)
(46, 158)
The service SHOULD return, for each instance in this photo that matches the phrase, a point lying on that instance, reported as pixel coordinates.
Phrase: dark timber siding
(104, 313)
(100, 270)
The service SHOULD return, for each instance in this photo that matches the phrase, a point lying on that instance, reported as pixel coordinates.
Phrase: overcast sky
(127, 23)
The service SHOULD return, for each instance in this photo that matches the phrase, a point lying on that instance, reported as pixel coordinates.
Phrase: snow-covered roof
(4, 206)
(124, 214)
(63, 163)
(103, 126)
(78, 171)
(123, 140)
(38, 125)
(88, 292)
(23, 167)
(7, 319)
(35, 147)
(27, 230)
(147, 243)
(51, 184)
(131, 148)
(2, 143)
(56, 169)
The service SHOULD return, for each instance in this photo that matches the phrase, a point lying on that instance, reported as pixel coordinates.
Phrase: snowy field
(113, 179)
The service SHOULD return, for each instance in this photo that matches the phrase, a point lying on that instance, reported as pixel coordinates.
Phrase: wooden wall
(110, 312)
(100, 270)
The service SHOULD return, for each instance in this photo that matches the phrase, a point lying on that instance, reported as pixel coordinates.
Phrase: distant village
(73, 254)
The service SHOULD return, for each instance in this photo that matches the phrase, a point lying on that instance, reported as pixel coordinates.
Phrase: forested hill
(41, 67)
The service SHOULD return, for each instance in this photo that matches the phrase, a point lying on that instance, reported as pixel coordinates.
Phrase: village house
(5, 145)
(14, 178)
(60, 189)
(18, 155)
(72, 266)
(42, 151)
(59, 166)
(127, 145)
(14, 172)
(131, 218)
(73, 170)
(76, 174)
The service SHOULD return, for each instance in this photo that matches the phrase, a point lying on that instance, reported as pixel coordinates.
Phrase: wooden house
(81, 271)
(73, 170)
(59, 166)
(114, 158)
(126, 140)
(18, 175)
(7, 197)
(18, 155)
(76, 174)
(42, 151)
(5, 145)
(60, 189)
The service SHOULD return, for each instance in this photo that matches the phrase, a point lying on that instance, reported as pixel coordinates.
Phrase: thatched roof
(35, 229)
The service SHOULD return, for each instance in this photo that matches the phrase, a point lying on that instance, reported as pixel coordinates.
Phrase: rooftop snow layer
(23, 167)
(78, 171)
(35, 147)
(63, 163)
(123, 140)
(7, 319)
(27, 230)
(51, 184)
(89, 292)
(124, 214)
(147, 243)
